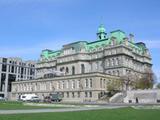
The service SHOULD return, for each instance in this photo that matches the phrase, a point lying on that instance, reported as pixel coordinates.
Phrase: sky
(29, 26)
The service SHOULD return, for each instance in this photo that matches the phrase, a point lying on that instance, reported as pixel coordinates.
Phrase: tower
(101, 34)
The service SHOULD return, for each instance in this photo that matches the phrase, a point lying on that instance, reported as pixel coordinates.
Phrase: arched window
(61, 69)
(117, 72)
(117, 61)
(113, 62)
(73, 70)
(86, 83)
(67, 70)
(82, 68)
(109, 62)
(91, 83)
(113, 72)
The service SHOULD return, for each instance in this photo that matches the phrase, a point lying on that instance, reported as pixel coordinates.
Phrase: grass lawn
(108, 114)
(19, 105)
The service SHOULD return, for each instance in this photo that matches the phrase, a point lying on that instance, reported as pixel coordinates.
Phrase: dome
(101, 29)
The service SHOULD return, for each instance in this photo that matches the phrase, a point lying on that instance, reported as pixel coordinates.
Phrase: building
(87, 67)
(14, 69)
(143, 96)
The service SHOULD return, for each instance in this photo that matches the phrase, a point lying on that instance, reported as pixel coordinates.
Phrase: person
(136, 100)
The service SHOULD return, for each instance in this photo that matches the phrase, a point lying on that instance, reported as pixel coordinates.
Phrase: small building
(14, 69)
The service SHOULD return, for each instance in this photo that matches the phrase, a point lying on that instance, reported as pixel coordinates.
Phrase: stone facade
(143, 96)
(14, 69)
(77, 88)
(111, 55)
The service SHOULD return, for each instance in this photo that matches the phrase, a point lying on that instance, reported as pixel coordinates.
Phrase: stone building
(14, 69)
(87, 66)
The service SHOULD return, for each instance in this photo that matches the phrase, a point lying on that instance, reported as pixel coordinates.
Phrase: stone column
(26, 73)
(0, 74)
(17, 73)
(29, 72)
(6, 83)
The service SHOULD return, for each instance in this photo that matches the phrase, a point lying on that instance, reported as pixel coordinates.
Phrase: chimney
(131, 37)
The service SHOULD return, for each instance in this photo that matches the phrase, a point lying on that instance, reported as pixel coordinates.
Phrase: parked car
(29, 97)
(56, 97)
(2, 99)
(34, 99)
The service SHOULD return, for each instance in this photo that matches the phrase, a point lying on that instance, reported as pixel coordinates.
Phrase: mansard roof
(117, 35)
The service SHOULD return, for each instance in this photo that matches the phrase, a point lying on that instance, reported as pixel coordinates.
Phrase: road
(58, 110)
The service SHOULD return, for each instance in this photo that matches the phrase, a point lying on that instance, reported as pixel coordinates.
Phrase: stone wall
(142, 96)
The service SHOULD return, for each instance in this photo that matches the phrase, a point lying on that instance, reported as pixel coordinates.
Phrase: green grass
(19, 105)
(108, 114)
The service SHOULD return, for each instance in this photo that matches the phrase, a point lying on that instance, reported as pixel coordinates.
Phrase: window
(73, 70)
(62, 69)
(79, 95)
(4, 60)
(113, 62)
(86, 83)
(4, 67)
(117, 72)
(82, 68)
(73, 95)
(104, 83)
(62, 84)
(117, 61)
(67, 94)
(86, 95)
(12, 69)
(67, 70)
(113, 72)
(90, 94)
(90, 83)
(101, 83)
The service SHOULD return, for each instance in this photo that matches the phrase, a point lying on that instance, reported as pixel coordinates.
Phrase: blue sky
(29, 26)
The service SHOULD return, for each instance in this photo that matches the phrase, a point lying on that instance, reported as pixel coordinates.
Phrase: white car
(2, 99)
(29, 97)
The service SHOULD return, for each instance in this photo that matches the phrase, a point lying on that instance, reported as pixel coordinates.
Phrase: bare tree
(114, 85)
(147, 80)
(128, 80)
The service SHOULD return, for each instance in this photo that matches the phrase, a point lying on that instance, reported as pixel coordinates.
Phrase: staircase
(117, 98)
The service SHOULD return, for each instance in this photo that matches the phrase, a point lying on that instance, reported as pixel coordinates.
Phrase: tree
(114, 86)
(158, 85)
(146, 81)
(128, 80)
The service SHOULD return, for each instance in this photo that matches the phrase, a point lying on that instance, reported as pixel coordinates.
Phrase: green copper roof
(97, 44)
(101, 29)
(50, 53)
(119, 36)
